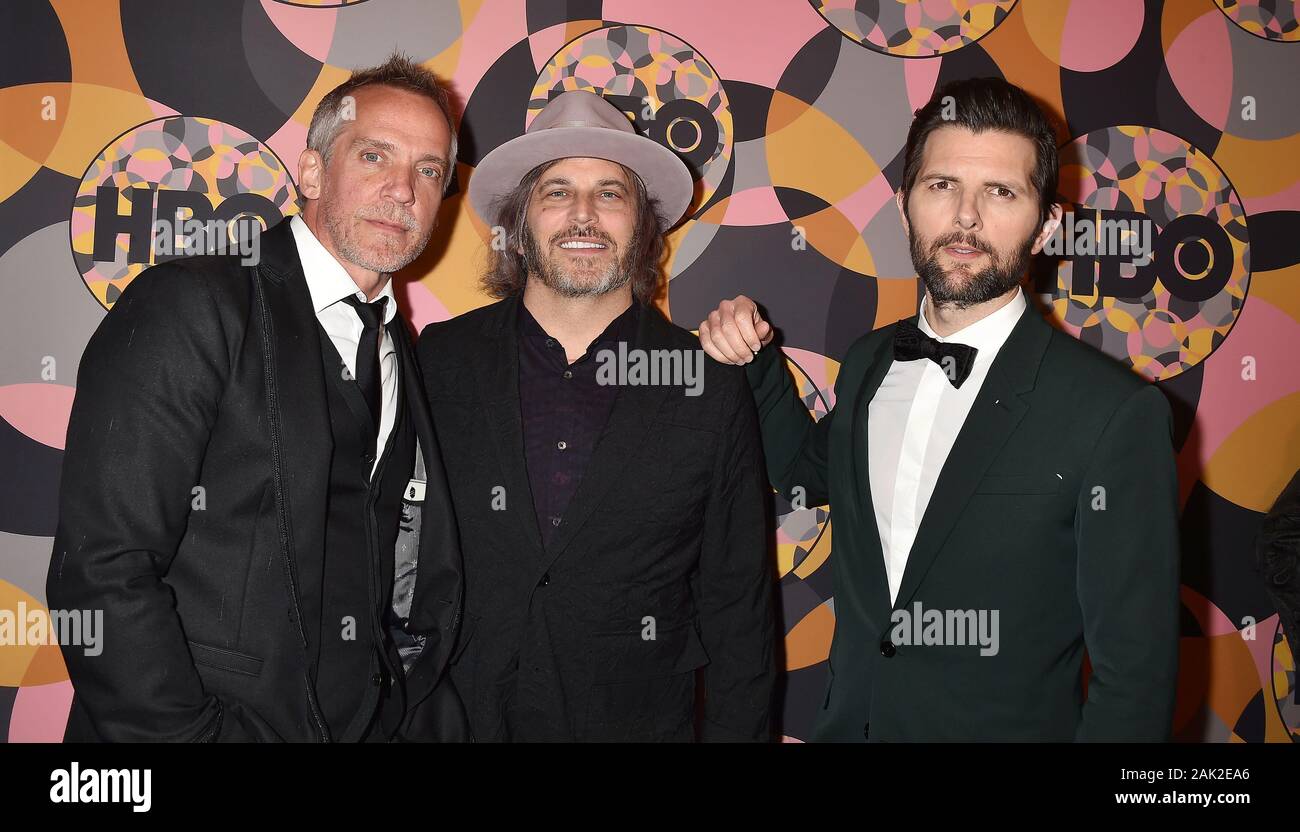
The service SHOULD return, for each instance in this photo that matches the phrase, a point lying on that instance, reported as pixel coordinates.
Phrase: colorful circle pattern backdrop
(792, 115)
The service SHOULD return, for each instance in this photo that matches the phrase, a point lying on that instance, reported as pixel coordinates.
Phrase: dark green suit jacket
(1057, 508)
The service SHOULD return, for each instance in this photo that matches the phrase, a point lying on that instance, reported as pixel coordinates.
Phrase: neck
(947, 318)
(574, 322)
(368, 281)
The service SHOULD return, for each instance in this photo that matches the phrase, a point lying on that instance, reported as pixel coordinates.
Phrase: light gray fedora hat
(579, 123)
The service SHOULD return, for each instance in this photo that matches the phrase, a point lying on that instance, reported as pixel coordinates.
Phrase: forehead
(993, 153)
(583, 169)
(399, 114)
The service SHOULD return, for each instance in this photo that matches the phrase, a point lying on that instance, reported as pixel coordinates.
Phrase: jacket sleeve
(148, 387)
(1126, 529)
(734, 587)
(793, 443)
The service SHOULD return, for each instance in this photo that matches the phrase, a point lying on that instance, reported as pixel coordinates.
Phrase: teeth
(581, 245)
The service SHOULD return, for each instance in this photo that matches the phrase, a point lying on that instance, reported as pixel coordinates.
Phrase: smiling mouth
(582, 245)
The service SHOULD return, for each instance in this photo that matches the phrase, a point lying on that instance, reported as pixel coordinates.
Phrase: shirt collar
(327, 280)
(622, 328)
(988, 333)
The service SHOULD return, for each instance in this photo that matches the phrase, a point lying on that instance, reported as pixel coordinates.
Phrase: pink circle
(1157, 331)
(1099, 33)
(40, 713)
(1199, 61)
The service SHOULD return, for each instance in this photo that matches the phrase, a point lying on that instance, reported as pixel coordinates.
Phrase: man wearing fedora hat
(612, 520)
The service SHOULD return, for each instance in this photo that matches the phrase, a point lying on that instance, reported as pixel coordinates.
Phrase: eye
(431, 172)
(940, 185)
(367, 154)
(614, 194)
(558, 193)
(1004, 193)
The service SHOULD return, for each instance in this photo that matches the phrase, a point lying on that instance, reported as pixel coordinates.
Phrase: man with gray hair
(314, 592)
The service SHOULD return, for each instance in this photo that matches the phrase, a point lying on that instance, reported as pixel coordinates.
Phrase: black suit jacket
(1016, 524)
(194, 485)
(665, 534)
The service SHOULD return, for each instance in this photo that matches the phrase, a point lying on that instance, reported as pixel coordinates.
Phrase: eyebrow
(1010, 186)
(389, 147)
(560, 180)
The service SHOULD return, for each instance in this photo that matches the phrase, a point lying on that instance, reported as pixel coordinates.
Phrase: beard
(391, 255)
(960, 287)
(578, 280)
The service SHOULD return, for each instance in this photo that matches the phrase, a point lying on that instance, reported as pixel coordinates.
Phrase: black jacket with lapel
(194, 486)
(660, 565)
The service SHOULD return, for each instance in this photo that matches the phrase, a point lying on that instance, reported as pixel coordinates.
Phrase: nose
(968, 214)
(400, 187)
(583, 208)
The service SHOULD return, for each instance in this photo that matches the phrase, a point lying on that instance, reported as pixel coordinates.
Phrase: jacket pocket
(629, 656)
(223, 659)
(643, 690)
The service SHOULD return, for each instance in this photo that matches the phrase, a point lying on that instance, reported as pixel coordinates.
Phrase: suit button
(546, 580)
(887, 649)
(866, 730)
(377, 679)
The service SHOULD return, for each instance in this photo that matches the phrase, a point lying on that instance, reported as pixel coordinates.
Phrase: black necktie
(956, 360)
(372, 317)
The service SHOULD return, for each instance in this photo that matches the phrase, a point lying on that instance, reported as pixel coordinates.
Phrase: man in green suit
(1004, 496)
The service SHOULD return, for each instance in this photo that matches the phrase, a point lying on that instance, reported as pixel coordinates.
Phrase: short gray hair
(398, 71)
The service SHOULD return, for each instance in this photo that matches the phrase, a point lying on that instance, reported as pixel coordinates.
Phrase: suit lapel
(997, 411)
(876, 368)
(497, 373)
(305, 437)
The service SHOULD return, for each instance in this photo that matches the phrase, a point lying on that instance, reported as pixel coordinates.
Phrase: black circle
(1193, 257)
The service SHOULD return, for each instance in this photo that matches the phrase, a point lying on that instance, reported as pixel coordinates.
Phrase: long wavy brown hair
(507, 271)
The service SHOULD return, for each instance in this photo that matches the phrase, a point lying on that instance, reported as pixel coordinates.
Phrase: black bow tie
(956, 360)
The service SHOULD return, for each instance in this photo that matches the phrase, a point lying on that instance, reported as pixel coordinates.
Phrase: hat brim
(666, 177)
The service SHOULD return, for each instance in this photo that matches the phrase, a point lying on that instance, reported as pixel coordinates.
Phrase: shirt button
(555, 521)
(887, 649)
(568, 373)
(561, 444)
(550, 342)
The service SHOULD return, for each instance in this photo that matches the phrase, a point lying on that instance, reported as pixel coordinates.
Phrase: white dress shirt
(329, 283)
(912, 423)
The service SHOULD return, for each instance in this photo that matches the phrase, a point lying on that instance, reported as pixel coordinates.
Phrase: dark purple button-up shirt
(564, 411)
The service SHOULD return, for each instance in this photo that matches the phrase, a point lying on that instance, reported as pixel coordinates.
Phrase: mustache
(396, 216)
(963, 239)
(592, 233)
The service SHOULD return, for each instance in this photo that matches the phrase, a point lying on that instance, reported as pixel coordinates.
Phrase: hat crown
(580, 108)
